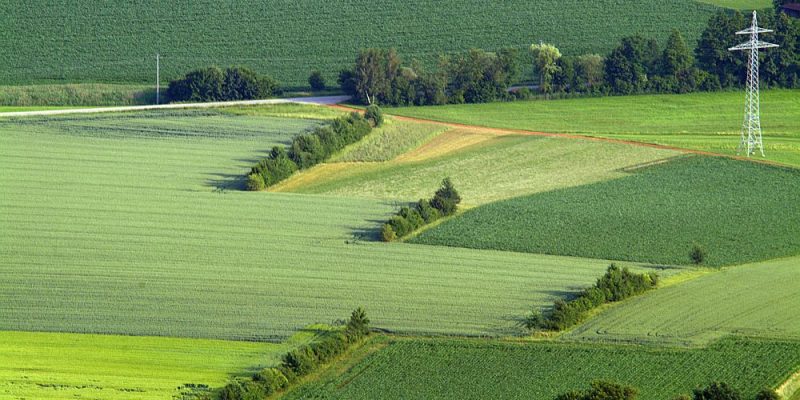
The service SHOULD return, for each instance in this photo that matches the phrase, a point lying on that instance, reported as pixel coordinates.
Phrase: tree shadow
(224, 182)
(370, 233)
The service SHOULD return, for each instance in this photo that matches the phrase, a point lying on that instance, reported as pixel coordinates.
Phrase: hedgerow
(444, 203)
(307, 150)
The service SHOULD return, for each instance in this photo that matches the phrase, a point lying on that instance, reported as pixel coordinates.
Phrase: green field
(741, 4)
(86, 94)
(485, 166)
(389, 141)
(738, 211)
(465, 369)
(757, 299)
(67, 366)
(701, 121)
(83, 41)
(128, 224)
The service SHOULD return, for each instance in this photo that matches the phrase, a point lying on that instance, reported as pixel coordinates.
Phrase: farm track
(505, 131)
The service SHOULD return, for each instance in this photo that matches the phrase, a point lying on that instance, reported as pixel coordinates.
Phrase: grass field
(756, 299)
(389, 141)
(83, 41)
(485, 166)
(464, 369)
(738, 211)
(701, 121)
(123, 224)
(67, 366)
(86, 94)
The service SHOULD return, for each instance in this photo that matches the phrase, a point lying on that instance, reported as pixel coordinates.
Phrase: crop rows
(737, 211)
(113, 42)
(117, 231)
(460, 369)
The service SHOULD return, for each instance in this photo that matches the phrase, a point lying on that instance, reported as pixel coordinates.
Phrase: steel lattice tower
(751, 128)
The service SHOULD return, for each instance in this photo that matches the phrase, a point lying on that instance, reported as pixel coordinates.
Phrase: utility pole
(158, 80)
(751, 128)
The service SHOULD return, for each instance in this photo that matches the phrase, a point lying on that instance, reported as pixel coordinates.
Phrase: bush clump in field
(617, 284)
(316, 81)
(300, 361)
(716, 391)
(374, 114)
(214, 84)
(444, 202)
(697, 254)
(602, 390)
(307, 150)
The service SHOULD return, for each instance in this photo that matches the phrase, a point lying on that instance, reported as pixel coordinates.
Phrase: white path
(301, 100)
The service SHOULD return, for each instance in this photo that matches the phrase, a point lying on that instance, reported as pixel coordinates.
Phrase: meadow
(132, 224)
(741, 4)
(83, 41)
(86, 94)
(755, 299)
(67, 366)
(485, 166)
(701, 121)
(737, 211)
(469, 369)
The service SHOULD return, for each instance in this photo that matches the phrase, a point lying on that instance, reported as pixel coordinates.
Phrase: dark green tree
(767, 394)
(627, 66)
(446, 199)
(712, 52)
(781, 66)
(316, 81)
(716, 391)
(357, 325)
(602, 390)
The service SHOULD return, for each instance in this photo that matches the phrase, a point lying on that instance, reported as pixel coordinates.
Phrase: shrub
(415, 220)
(300, 360)
(697, 254)
(602, 390)
(272, 379)
(400, 226)
(255, 182)
(767, 394)
(374, 114)
(446, 199)
(387, 233)
(427, 212)
(357, 326)
(316, 81)
(716, 391)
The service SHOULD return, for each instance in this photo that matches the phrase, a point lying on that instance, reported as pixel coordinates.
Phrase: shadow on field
(369, 233)
(227, 181)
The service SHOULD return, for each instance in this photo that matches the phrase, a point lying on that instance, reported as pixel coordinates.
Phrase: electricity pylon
(751, 128)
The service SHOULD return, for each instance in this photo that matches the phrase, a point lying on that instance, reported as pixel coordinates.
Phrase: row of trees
(310, 149)
(214, 84)
(444, 202)
(380, 77)
(605, 390)
(617, 284)
(299, 362)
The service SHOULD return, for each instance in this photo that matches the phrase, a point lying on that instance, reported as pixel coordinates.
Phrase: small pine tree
(358, 325)
(446, 198)
(316, 81)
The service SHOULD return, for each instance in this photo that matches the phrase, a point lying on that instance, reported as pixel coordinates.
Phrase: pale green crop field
(36, 365)
(741, 4)
(756, 299)
(129, 224)
(700, 121)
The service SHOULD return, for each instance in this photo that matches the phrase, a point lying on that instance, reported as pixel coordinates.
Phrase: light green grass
(737, 211)
(493, 169)
(389, 141)
(701, 121)
(120, 224)
(67, 366)
(479, 369)
(86, 94)
(756, 299)
(741, 4)
(83, 42)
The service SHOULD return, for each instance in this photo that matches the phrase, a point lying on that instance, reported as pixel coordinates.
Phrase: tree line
(444, 203)
(299, 362)
(309, 149)
(606, 390)
(636, 65)
(215, 84)
(616, 285)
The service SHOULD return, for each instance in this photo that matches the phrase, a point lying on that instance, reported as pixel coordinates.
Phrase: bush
(415, 220)
(767, 394)
(697, 254)
(357, 326)
(427, 212)
(387, 233)
(374, 114)
(255, 182)
(300, 360)
(602, 390)
(213, 84)
(716, 391)
(400, 226)
(272, 379)
(316, 81)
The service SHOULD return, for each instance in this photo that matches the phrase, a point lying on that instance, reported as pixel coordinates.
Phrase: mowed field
(69, 366)
(468, 369)
(87, 41)
(741, 4)
(130, 224)
(486, 165)
(755, 299)
(737, 211)
(701, 121)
